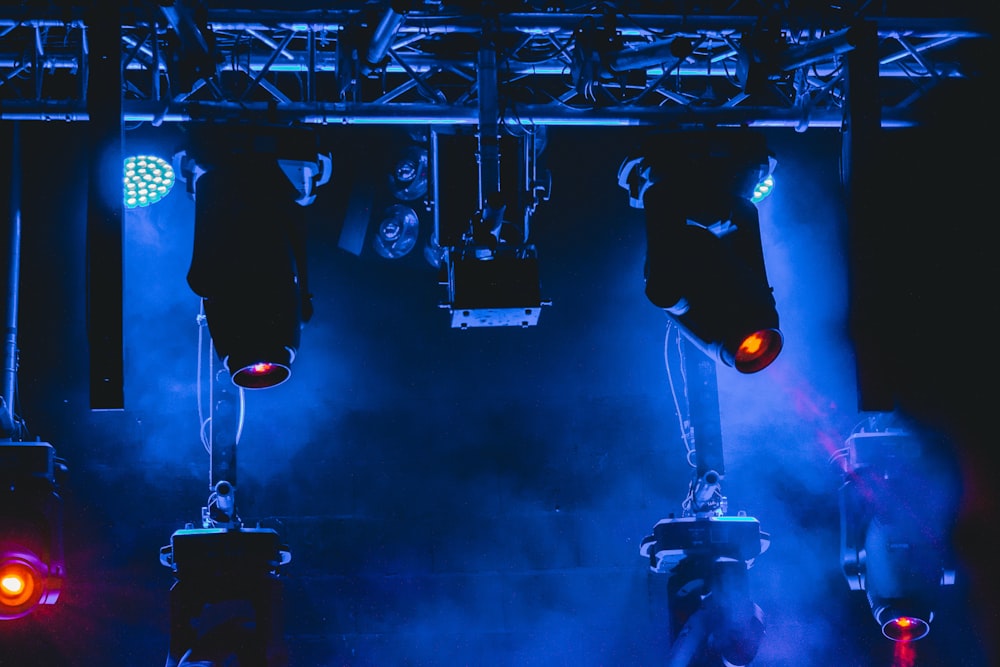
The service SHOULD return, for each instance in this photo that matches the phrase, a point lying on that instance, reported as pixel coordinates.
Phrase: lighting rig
(32, 561)
(414, 61)
(409, 63)
(706, 553)
(704, 261)
(388, 195)
(487, 262)
(705, 268)
(226, 599)
(399, 225)
(893, 546)
(250, 185)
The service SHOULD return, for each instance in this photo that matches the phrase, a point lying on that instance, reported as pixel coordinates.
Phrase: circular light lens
(261, 375)
(758, 350)
(397, 233)
(906, 629)
(20, 588)
(408, 178)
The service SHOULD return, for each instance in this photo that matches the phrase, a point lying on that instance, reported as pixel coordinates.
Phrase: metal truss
(654, 63)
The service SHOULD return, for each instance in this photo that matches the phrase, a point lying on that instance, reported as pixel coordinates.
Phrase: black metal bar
(104, 212)
(862, 183)
(489, 133)
(226, 419)
(363, 113)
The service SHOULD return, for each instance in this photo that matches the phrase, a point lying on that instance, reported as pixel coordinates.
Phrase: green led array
(148, 179)
(763, 189)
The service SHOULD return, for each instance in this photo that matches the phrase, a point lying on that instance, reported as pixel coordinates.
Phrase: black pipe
(8, 420)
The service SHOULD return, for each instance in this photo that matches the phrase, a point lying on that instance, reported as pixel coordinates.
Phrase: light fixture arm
(705, 553)
(227, 408)
(704, 415)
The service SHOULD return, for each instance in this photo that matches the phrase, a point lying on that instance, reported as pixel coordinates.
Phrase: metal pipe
(311, 66)
(439, 114)
(313, 62)
(666, 53)
(818, 50)
(435, 153)
(489, 121)
(267, 66)
(9, 424)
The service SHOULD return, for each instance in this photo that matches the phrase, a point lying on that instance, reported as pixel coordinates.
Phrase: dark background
(479, 497)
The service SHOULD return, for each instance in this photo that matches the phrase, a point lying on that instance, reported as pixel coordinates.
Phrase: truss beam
(556, 67)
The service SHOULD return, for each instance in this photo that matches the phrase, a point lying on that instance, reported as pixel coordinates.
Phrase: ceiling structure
(777, 64)
(453, 497)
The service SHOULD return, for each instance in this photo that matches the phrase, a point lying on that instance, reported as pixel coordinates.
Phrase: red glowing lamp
(758, 350)
(261, 375)
(906, 629)
(24, 583)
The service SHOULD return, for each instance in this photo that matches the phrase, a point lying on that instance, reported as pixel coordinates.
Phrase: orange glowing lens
(17, 584)
(261, 375)
(906, 629)
(12, 584)
(758, 350)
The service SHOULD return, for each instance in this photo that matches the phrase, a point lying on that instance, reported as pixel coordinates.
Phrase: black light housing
(32, 566)
(704, 260)
(708, 560)
(227, 596)
(892, 547)
(899, 576)
(249, 261)
(256, 334)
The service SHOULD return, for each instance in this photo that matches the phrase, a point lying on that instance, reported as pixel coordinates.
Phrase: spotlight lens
(12, 584)
(20, 589)
(758, 350)
(261, 375)
(906, 629)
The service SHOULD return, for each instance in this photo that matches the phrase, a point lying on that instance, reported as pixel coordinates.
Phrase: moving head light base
(220, 553)
(226, 595)
(673, 540)
(31, 513)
